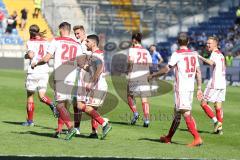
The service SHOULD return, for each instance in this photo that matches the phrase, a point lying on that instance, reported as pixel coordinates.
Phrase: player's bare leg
(95, 115)
(175, 123)
(219, 115)
(145, 107)
(45, 99)
(30, 109)
(191, 125)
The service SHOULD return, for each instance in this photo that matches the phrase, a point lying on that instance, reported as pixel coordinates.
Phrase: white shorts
(214, 95)
(183, 100)
(139, 88)
(95, 97)
(64, 91)
(36, 82)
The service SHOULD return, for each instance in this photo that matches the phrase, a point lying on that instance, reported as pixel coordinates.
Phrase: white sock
(214, 119)
(104, 123)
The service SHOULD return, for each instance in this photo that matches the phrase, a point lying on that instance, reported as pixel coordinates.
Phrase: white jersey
(218, 79)
(185, 63)
(86, 76)
(38, 47)
(141, 60)
(64, 49)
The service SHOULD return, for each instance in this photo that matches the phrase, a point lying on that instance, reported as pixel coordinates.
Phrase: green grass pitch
(124, 140)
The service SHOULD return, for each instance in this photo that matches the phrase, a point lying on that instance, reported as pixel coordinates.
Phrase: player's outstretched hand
(199, 94)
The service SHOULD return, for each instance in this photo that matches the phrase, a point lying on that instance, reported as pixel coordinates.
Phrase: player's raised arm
(208, 61)
(164, 70)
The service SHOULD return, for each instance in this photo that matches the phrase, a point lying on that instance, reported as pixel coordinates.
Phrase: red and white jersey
(185, 63)
(218, 76)
(92, 62)
(64, 49)
(39, 47)
(141, 60)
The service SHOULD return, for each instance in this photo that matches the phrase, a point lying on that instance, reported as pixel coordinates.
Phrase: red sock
(94, 125)
(190, 122)
(145, 107)
(174, 126)
(219, 114)
(207, 109)
(46, 100)
(60, 124)
(30, 111)
(131, 104)
(95, 115)
(65, 116)
(76, 117)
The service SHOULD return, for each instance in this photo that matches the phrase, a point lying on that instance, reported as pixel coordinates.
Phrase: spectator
(156, 59)
(229, 59)
(238, 16)
(37, 5)
(1, 19)
(11, 22)
(24, 13)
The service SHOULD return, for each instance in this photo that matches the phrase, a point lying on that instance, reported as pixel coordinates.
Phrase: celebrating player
(186, 66)
(139, 61)
(37, 78)
(64, 50)
(94, 87)
(216, 87)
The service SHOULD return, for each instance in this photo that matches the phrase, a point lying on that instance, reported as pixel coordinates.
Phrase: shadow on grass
(199, 131)
(125, 123)
(36, 133)
(158, 141)
(20, 123)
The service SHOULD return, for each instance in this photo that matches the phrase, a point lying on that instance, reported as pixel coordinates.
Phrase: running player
(139, 61)
(216, 87)
(186, 66)
(36, 79)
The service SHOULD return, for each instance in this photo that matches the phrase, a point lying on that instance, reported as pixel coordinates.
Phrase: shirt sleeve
(129, 55)
(52, 47)
(174, 59)
(159, 56)
(30, 46)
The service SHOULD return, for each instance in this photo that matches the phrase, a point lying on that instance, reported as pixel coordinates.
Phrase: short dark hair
(215, 38)
(94, 37)
(65, 25)
(137, 36)
(78, 27)
(183, 39)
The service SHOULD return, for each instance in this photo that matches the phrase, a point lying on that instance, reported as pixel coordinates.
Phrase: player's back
(64, 50)
(141, 60)
(39, 48)
(185, 69)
